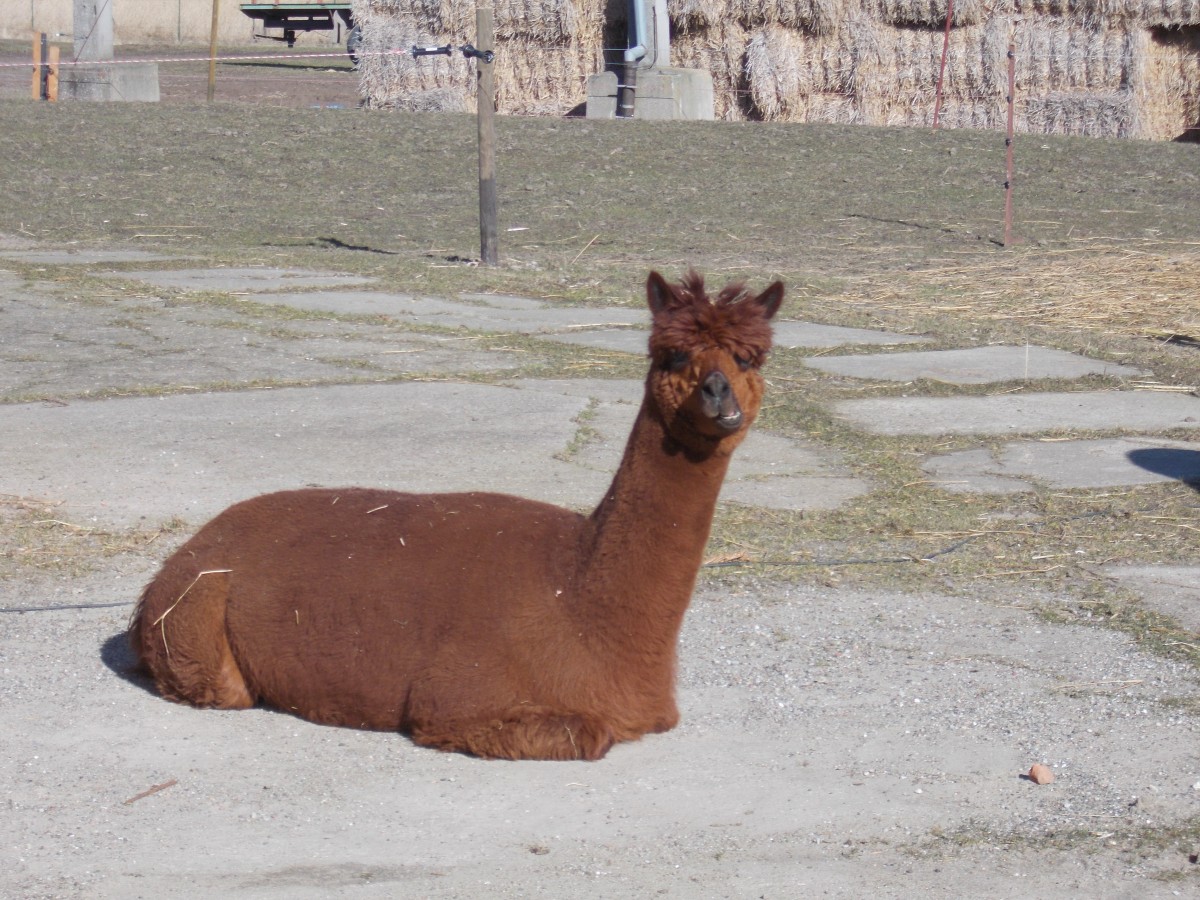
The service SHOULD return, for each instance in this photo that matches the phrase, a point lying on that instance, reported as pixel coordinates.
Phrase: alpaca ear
(658, 294)
(770, 299)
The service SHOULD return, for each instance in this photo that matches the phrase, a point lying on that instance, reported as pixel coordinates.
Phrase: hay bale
(722, 51)
(534, 80)
(928, 13)
(1103, 14)
(691, 16)
(814, 16)
(1083, 113)
(1154, 13)
(390, 78)
(783, 65)
(1115, 82)
(1166, 83)
(1055, 55)
(545, 51)
(554, 22)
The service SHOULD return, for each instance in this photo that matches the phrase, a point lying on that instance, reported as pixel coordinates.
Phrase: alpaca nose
(719, 402)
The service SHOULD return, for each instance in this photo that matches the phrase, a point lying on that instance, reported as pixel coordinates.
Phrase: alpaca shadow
(119, 657)
(1182, 465)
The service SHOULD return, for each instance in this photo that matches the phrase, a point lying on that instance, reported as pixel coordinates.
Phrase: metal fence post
(484, 68)
(1008, 145)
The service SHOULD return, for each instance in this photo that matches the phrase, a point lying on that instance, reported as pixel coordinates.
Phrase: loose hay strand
(160, 620)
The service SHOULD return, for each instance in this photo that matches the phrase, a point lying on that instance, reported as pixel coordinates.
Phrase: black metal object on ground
(294, 17)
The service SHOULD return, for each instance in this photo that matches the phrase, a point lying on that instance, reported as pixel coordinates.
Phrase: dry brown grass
(1119, 291)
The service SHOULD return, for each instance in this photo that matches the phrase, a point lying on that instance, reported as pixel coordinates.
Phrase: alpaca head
(705, 355)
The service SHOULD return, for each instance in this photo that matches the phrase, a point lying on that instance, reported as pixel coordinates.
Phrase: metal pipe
(635, 54)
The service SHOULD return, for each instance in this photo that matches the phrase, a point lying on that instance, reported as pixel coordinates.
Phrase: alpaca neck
(646, 539)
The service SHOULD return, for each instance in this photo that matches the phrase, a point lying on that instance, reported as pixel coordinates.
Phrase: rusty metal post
(1008, 145)
(486, 100)
(937, 103)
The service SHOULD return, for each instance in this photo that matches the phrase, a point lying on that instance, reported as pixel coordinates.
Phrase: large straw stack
(721, 50)
(1120, 68)
(545, 50)
(1087, 67)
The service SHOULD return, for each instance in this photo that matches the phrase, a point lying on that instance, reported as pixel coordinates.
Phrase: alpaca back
(358, 607)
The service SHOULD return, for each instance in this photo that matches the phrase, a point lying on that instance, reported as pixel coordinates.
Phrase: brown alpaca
(477, 622)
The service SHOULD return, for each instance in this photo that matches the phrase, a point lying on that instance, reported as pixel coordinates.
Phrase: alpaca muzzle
(719, 403)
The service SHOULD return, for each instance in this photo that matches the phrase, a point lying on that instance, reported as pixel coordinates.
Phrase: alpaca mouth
(730, 422)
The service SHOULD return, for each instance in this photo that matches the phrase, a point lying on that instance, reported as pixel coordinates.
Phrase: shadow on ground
(1182, 465)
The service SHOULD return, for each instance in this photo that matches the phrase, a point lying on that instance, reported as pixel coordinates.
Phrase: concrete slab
(83, 256)
(1171, 590)
(488, 313)
(793, 335)
(236, 279)
(622, 340)
(193, 455)
(1023, 413)
(974, 365)
(51, 347)
(1022, 465)
(504, 301)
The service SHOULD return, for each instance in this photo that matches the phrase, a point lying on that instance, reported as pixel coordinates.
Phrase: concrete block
(671, 93)
(108, 82)
(602, 96)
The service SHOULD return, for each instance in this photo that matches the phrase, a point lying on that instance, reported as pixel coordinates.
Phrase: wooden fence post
(486, 91)
(212, 51)
(52, 57)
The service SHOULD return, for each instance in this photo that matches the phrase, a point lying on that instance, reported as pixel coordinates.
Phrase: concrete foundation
(669, 93)
(105, 81)
(662, 93)
(602, 96)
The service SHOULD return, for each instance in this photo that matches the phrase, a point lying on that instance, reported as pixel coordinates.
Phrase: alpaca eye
(744, 363)
(678, 360)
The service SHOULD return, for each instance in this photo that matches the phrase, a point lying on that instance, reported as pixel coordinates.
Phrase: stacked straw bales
(1128, 68)
(545, 51)
(1085, 67)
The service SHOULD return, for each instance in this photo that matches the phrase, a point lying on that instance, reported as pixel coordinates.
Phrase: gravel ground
(833, 743)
